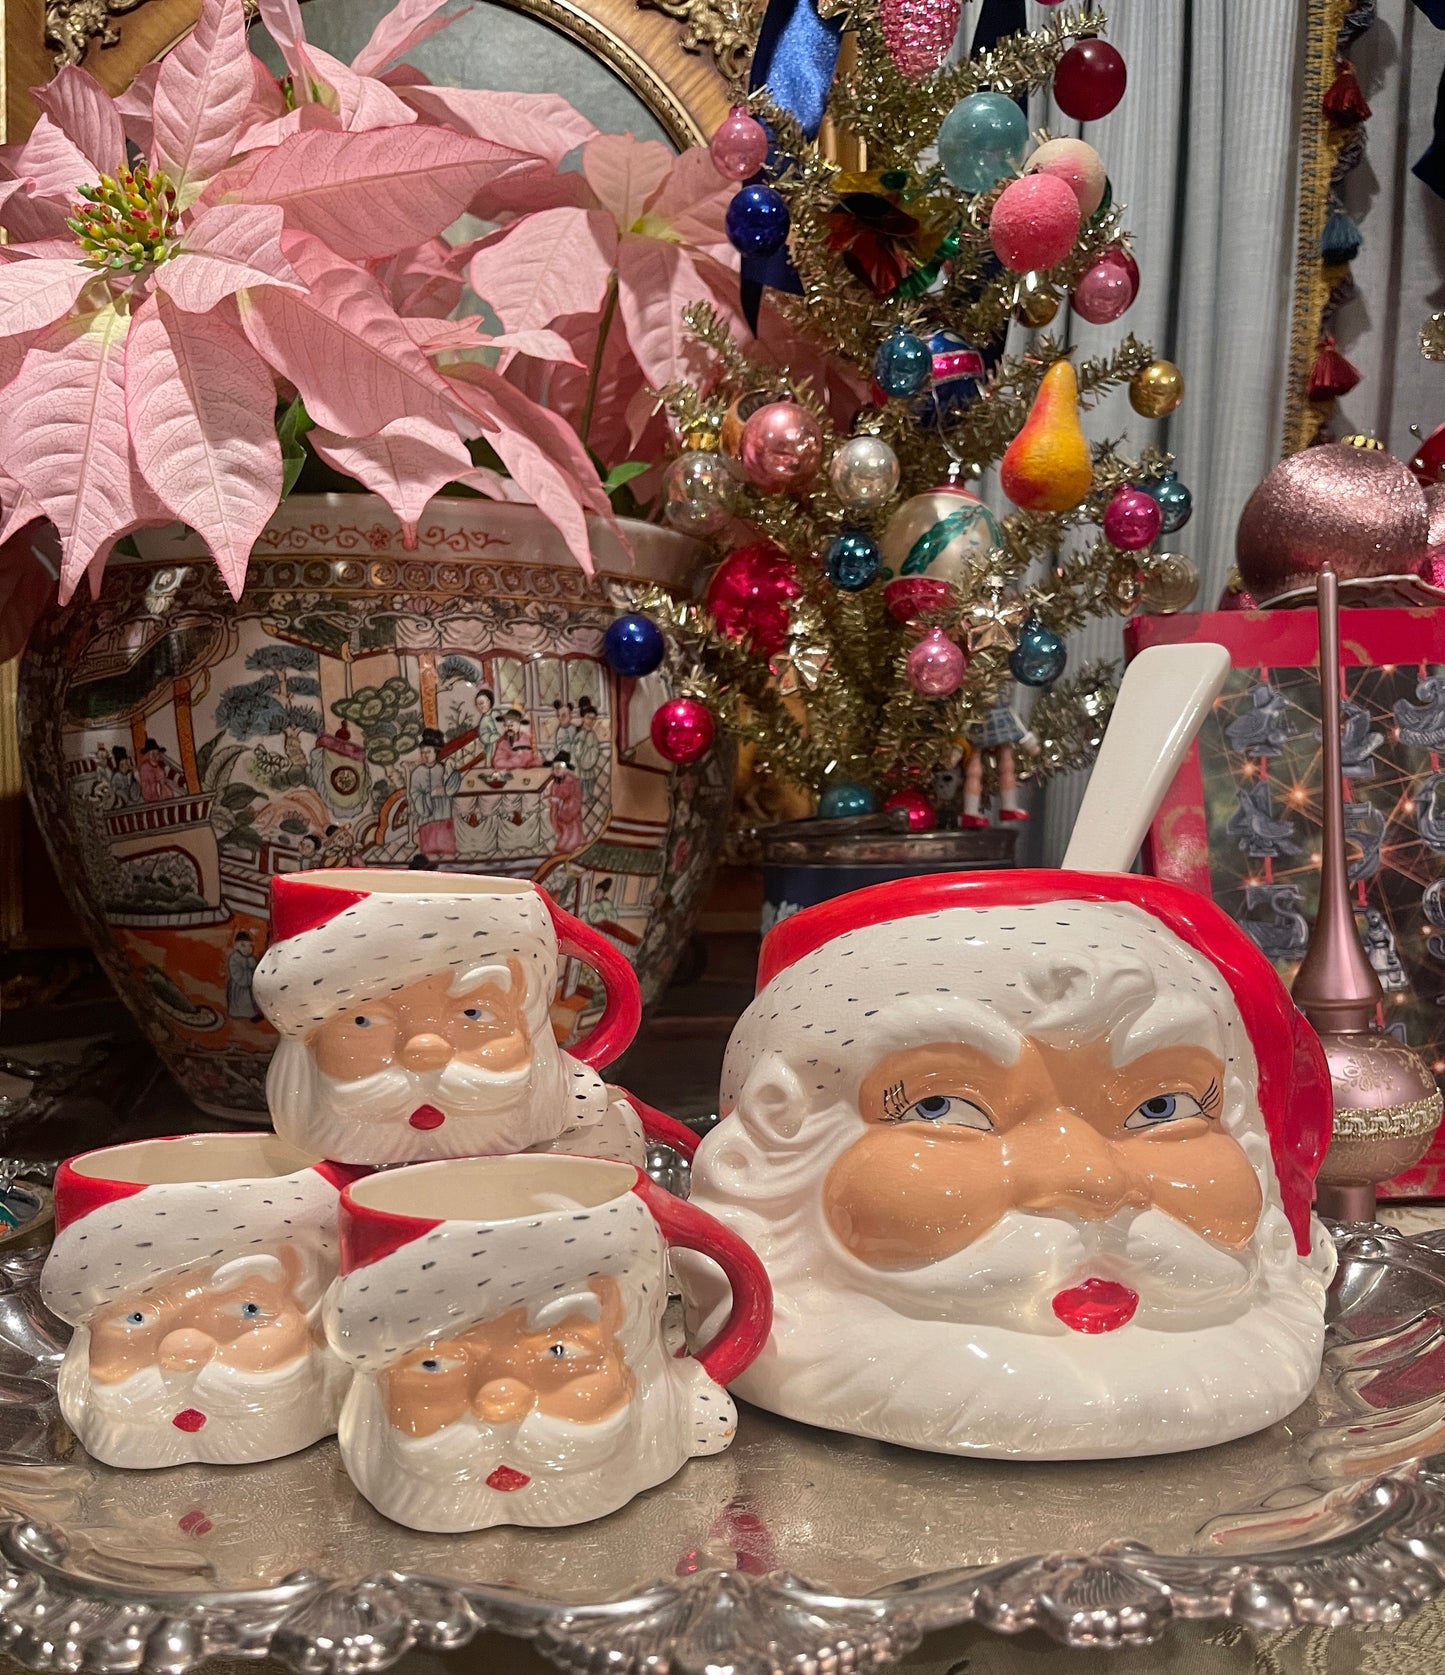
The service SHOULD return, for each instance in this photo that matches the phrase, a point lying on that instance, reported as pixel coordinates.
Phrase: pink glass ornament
(782, 446)
(1102, 293)
(1132, 519)
(740, 146)
(935, 665)
(1034, 223)
(683, 730)
(922, 816)
(918, 33)
(1090, 80)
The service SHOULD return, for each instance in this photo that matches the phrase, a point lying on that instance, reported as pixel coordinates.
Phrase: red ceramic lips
(1096, 1305)
(507, 1478)
(189, 1419)
(426, 1116)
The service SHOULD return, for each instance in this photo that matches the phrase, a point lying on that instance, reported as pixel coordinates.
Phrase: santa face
(1019, 1153)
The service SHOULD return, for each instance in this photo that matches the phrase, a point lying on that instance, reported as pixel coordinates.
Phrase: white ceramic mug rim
(448, 1190)
(391, 881)
(182, 1160)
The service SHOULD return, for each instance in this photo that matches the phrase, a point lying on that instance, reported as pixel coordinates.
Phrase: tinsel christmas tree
(869, 615)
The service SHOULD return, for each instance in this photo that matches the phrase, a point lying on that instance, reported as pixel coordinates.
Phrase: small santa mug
(415, 1019)
(192, 1270)
(504, 1320)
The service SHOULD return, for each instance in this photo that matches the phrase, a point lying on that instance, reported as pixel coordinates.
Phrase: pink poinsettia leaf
(549, 264)
(51, 162)
(135, 106)
(267, 101)
(33, 294)
(624, 173)
(370, 195)
(361, 101)
(692, 202)
(13, 351)
(656, 282)
(440, 336)
(404, 26)
(201, 405)
(31, 218)
(529, 188)
(406, 463)
(540, 125)
(304, 117)
(341, 344)
(282, 19)
(202, 93)
(493, 484)
(19, 506)
(426, 280)
(537, 344)
(39, 249)
(86, 114)
(225, 249)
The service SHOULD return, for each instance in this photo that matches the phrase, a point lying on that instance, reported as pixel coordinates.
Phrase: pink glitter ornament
(922, 816)
(1102, 293)
(935, 665)
(918, 33)
(740, 146)
(683, 730)
(782, 447)
(1132, 519)
(1034, 223)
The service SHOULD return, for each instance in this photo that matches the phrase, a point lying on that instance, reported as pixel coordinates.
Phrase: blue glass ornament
(957, 369)
(1039, 657)
(757, 221)
(852, 560)
(902, 363)
(1175, 501)
(982, 139)
(633, 645)
(844, 801)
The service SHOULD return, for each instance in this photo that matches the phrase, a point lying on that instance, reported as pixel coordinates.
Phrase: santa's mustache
(218, 1390)
(461, 1089)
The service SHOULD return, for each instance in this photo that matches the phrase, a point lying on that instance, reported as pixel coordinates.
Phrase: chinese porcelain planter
(362, 705)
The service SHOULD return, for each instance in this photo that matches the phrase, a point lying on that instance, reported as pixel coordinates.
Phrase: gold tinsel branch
(1069, 720)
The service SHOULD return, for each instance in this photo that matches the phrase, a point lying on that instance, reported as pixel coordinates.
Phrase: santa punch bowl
(445, 707)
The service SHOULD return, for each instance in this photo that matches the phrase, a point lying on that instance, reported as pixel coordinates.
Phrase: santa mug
(1038, 1151)
(192, 1270)
(414, 1014)
(504, 1319)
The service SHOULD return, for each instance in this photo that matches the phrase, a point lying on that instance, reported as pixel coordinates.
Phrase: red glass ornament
(1132, 519)
(750, 593)
(1332, 375)
(922, 816)
(1344, 102)
(1096, 1305)
(683, 730)
(1090, 80)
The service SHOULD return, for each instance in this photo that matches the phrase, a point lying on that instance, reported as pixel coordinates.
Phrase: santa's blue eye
(557, 1350)
(135, 1318)
(431, 1365)
(951, 1110)
(472, 1012)
(1162, 1105)
(250, 1310)
(1164, 1108)
(361, 1022)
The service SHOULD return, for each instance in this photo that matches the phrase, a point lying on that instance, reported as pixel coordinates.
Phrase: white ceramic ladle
(1163, 699)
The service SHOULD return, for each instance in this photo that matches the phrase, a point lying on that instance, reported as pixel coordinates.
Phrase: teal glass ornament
(982, 139)
(1039, 657)
(902, 364)
(1175, 501)
(852, 560)
(845, 801)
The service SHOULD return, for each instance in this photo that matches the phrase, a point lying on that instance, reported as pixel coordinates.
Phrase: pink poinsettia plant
(217, 248)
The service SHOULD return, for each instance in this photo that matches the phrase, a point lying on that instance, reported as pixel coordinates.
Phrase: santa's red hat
(124, 1227)
(1293, 1078)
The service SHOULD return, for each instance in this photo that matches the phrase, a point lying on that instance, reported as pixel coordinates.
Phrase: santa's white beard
(367, 1121)
(249, 1416)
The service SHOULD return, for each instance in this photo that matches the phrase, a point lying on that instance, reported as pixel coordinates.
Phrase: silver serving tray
(796, 1551)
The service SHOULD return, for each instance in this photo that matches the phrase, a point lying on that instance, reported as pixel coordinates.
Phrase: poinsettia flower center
(652, 225)
(126, 220)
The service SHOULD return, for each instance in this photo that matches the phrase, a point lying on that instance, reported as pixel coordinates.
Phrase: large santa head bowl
(1029, 1160)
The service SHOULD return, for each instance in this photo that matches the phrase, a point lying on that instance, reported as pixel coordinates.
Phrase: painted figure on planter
(514, 748)
(431, 787)
(996, 735)
(1044, 1145)
(564, 800)
(160, 778)
(587, 748)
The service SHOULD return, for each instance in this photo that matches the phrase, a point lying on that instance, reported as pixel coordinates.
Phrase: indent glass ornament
(982, 139)
(935, 665)
(683, 730)
(940, 534)
(1039, 656)
(1176, 504)
(697, 492)
(846, 801)
(1090, 80)
(751, 593)
(1157, 389)
(1104, 291)
(1170, 583)
(633, 646)
(922, 816)
(902, 363)
(1132, 519)
(757, 221)
(852, 560)
(739, 148)
(864, 472)
(782, 447)
(957, 370)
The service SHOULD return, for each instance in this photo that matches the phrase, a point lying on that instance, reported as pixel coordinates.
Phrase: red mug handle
(746, 1328)
(657, 1125)
(613, 1032)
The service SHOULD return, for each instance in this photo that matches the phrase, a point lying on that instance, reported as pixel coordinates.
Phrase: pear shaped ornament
(1048, 466)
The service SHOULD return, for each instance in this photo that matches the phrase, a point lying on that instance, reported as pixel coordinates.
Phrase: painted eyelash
(896, 1103)
(1211, 1099)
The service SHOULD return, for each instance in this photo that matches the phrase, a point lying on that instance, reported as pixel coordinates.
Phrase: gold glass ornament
(1170, 583)
(1122, 585)
(1035, 301)
(731, 435)
(1156, 389)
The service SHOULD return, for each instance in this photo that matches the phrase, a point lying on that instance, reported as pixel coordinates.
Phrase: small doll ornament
(997, 736)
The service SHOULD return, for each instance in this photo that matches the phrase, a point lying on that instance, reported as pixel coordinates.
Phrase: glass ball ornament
(864, 472)
(739, 147)
(730, 432)
(935, 665)
(697, 492)
(922, 815)
(683, 730)
(757, 221)
(1036, 302)
(852, 560)
(633, 645)
(957, 370)
(1132, 519)
(1170, 583)
(846, 800)
(1123, 586)
(940, 534)
(1176, 504)
(902, 363)
(1039, 655)
(1107, 289)
(1077, 164)
(750, 595)
(782, 447)
(1157, 389)
(1090, 80)
(982, 139)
